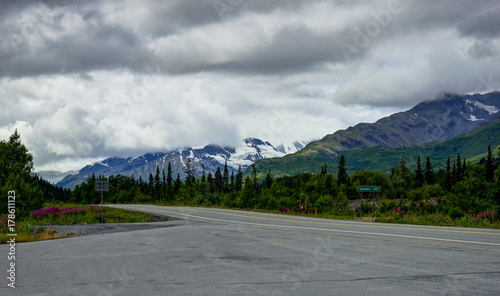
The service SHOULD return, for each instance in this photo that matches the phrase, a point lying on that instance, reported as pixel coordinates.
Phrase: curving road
(226, 252)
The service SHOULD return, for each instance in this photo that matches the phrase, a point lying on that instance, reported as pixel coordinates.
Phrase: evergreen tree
(231, 183)
(490, 167)
(203, 178)
(169, 177)
(210, 180)
(190, 171)
(151, 185)
(16, 165)
(225, 179)
(219, 184)
(324, 169)
(403, 168)
(453, 175)
(459, 168)
(269, 179)
(429, 175)
(254, 174)
(447, 182)
(342, 177)
(238, 182)
(157, 184)
(164, 185)
(419, 174)
(178, 183)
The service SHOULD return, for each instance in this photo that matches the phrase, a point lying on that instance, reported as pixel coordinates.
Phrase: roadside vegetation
(461, 194)
(37, 225)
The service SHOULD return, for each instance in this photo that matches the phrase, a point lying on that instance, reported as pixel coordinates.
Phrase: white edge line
(323, 229)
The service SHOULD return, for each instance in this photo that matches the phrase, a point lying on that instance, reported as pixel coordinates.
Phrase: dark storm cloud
(151, 75)
(104, 46)
(483, 25)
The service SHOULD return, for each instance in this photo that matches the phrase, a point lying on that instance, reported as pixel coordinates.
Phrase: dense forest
(459, 189)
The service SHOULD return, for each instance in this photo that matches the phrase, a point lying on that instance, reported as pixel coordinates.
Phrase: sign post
(373, 189)
(102, 186)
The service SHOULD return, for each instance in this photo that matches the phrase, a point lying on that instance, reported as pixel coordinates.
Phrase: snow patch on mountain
(291, 147)
(490, 109)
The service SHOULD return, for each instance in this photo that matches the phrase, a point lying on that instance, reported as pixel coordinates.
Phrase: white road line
(323, 229)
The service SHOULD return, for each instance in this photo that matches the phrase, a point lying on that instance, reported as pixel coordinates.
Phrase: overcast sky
(85, 80)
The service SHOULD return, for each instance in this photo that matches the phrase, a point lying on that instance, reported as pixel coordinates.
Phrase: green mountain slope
(470, 146)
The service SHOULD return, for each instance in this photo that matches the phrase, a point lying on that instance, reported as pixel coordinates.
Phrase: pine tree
(169, 177)
(324, 170)
(164, 185)
(419, 174)
(219, 184)
(254, 174)
(203, 179)
(238, 182)
(490, 167)
(269, 179)
(403, 168)
(454, 175)
(151, 185)
(210, 180)
(342, 177)
(178, 183)
(459, 169)
(225, 179)
(190, 171)
(231, 183)
(429, 174)
(447, 182)
(157, 185)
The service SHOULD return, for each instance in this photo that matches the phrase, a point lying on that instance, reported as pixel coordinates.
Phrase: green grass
(34, 228)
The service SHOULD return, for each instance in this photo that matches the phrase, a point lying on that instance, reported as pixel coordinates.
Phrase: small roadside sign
(101, 185)
(368, 188)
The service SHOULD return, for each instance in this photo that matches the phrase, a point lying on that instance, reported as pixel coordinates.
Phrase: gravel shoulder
(94, 229)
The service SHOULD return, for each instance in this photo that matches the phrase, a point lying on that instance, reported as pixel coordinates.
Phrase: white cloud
(84, 81)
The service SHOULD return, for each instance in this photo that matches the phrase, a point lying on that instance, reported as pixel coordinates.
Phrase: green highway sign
(368, 188)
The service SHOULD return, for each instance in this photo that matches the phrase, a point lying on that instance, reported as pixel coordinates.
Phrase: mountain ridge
(442, 119)
(208, 158)
(472, 145)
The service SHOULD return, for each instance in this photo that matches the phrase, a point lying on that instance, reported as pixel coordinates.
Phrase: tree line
(459, 188)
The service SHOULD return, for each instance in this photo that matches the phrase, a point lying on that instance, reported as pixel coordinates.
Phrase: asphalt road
(225, 252)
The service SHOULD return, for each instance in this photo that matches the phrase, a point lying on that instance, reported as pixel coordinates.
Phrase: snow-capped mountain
(442, 119)
(207, 158)
(291, 147)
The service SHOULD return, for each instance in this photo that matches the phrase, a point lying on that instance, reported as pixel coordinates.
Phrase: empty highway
(211, 251)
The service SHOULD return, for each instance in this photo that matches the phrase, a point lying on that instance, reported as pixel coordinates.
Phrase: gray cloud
(90, 79)
(482, 25)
